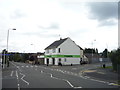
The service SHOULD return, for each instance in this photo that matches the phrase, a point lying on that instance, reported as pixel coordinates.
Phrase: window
(65, 60)
(58, 50)
(54, 50)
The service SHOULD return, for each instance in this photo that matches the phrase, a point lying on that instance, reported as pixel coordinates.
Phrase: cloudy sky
(40, 22)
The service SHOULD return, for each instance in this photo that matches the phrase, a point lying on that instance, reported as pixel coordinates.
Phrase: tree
(25, 57)
(115, 58)
(96, 51)
(90, 50)
(105, 53)
(31, 58)
(11, 56)
(17, 57)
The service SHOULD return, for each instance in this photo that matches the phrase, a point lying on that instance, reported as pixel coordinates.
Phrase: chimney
(60, 38)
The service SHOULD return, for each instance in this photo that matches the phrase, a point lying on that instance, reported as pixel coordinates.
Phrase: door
(53, 60)
(47, 61)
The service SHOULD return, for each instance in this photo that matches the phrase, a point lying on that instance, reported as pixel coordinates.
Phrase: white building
(64, 51)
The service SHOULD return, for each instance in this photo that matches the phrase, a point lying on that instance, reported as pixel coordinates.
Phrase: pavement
(104, 74)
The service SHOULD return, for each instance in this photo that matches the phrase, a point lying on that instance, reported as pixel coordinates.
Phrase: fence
(97, 60)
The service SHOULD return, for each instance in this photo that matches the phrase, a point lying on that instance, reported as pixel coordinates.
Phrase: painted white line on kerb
(23, 79)
(11, 73)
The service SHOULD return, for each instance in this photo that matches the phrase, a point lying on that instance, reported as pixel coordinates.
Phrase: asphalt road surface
(22, 75)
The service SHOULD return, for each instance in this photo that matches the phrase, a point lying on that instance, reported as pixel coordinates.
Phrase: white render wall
(70, 61)
(68, 47)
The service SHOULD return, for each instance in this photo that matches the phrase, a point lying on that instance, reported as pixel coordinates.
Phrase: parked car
(83, 62)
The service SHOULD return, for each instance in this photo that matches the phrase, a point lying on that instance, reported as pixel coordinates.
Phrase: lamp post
(92, 48)
(7, 45)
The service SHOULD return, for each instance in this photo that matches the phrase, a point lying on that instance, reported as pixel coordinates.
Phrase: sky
(39, 23)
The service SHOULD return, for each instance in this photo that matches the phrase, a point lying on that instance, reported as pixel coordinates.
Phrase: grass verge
(107, 67)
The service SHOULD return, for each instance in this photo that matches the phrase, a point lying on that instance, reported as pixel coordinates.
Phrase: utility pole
(7, 46)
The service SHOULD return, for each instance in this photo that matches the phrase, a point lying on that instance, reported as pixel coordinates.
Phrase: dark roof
(56, 44)
(80, 47)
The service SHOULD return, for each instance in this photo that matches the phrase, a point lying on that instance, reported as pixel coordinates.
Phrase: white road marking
(77, 87)
(17, 67)
(27, 66)
(18, 80)
(41, 71)
(18, 86)
(68, 83)
(74, 68)
(36, 66)
(22, 66)
(31, 66)
(63, 80)
(16, 74)
(13, 64)
(11, 73)
(23, 79)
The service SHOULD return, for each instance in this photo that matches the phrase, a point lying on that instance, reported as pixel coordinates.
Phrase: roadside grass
(107, 67)
(118, 82)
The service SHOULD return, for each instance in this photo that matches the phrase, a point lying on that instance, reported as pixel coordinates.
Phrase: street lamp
(7, 44)
(92, 48)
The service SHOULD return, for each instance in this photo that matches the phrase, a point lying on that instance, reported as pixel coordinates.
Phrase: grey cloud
(103, 10)
(107, 23)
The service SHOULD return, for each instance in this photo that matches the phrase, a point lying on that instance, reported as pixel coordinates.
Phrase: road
(22, 75)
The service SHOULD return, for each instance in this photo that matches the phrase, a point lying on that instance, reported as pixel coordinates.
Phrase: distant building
(40, 58)
(63, 51)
